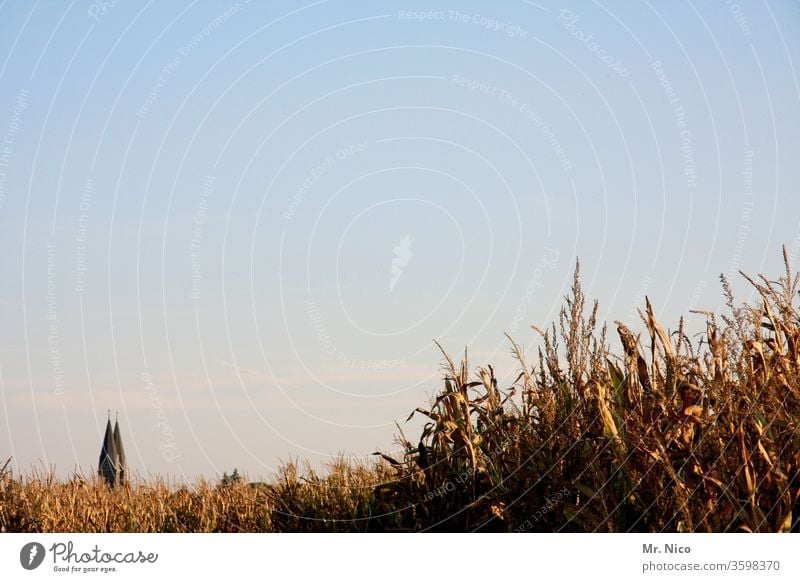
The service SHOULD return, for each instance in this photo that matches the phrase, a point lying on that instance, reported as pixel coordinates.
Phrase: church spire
(108, 455)
(122, 463)
(113, 466)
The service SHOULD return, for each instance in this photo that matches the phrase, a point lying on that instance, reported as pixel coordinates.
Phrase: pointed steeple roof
(121, 461)
(108, 455)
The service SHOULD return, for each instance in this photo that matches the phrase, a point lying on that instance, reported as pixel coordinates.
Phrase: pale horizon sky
(242, 225)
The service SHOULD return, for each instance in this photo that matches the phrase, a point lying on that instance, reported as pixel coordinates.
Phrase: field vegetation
(651, 432)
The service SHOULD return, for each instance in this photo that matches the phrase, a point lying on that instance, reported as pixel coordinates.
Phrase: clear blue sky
(243, 224)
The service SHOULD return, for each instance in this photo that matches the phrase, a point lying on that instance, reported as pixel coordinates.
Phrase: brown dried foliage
(664, 436)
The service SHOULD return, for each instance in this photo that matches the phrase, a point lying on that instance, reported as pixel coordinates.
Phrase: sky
(241, 226)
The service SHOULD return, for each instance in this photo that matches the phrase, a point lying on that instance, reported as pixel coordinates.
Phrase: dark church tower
(122, 463)
(112, 466)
